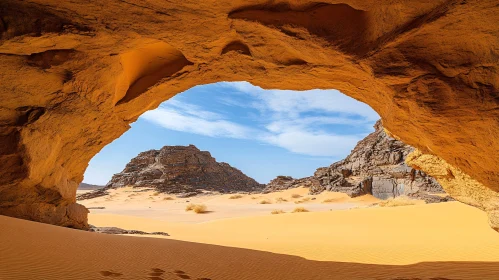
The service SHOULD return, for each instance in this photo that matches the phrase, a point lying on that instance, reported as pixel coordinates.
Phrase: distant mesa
(88, 187)
(182, 170)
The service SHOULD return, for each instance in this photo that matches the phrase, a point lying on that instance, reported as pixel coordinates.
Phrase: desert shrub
(200, 208)
(265, 201)
(235, 196)
(280, 199)
(189, 206)
(398, 201)
(305, 199)
(274, 212)
(299, 210)
(295, 195)
(196, 208)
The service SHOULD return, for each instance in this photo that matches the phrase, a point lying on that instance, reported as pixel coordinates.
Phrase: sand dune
(401, 235)
(439, 241)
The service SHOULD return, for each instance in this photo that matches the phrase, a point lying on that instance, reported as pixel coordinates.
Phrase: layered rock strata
(376, 166)
(181, 170)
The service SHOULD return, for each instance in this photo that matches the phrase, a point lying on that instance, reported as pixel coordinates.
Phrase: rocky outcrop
(430, 198)
(375, 166)
(281, 183)
(92, 194)
(116, 230)
(182, 170)
(75, 74)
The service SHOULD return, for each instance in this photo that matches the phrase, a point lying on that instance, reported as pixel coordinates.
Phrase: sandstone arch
(430, 69)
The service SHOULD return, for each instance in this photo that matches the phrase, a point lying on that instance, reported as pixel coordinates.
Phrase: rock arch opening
(242, 140)
(429, 69)
(265, 133)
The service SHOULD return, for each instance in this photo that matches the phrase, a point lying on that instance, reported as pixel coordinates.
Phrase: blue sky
(264, 133)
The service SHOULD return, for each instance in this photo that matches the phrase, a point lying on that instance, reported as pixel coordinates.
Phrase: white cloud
(300, 122)
(314, 144)
(296, 102)
(183, 121)
(191, 109)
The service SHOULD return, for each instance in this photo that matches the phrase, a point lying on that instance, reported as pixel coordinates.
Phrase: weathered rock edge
(75, 74)
(182, 170)
(375, 166)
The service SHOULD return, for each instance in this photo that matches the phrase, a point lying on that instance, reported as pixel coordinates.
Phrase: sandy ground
(148, 204)
(421, 242)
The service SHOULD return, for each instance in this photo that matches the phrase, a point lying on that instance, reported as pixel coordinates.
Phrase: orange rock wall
(74, 74)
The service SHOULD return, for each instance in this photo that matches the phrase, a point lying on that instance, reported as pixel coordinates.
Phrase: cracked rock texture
(287, 182)
(375, 166)
(75, 74)
(182, 169)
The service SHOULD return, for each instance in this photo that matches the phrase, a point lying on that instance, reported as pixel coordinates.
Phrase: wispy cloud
(295, 102)
(302, 122)
(200, 122)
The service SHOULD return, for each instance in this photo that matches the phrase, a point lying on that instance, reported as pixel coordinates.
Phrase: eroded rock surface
(179, 170)
(375, 166)
(116, 230)
(75, 74)
(287, 182)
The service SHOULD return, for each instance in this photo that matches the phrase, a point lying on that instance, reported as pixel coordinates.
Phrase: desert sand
(150, 204)
(350, 241)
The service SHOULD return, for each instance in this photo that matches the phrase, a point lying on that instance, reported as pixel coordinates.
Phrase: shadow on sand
(31, 250)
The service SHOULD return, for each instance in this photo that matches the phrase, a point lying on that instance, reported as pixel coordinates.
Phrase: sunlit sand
(238, 238)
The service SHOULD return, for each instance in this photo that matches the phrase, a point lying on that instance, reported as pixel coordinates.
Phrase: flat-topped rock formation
(182, 169)
(88, 187)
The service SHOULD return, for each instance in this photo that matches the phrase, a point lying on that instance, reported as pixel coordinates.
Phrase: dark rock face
(375, 166)
(287, 182)
(116, 230)
(181, 169)
(428, 198)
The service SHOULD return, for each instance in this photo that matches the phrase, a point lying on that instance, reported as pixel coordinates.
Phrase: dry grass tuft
(329, 200)
(274, 212)
(280, 199)
(265, 201)
(398, 201)
(295, 195)
(197, 208)
(200, 208)
(168, 198)
(254, 197)
(236, 196)
(300, 210)
(189, 206)
(305, 199)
